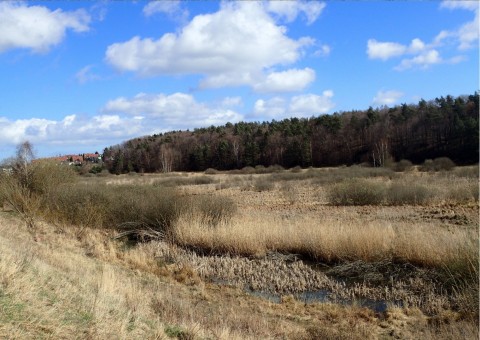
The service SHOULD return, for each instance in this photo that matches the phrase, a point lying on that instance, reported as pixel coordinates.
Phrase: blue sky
(79, 76)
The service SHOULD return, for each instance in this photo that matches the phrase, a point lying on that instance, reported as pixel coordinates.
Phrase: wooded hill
(443, 127)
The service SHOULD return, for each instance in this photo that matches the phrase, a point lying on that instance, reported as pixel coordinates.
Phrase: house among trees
(79, 159)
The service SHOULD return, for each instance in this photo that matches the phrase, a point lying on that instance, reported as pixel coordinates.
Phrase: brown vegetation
(209, 242)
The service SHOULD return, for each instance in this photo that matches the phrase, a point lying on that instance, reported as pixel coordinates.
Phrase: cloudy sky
(79, 76)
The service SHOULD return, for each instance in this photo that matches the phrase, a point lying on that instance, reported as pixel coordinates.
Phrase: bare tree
(381, 154)
(24, 157)
(168, 158)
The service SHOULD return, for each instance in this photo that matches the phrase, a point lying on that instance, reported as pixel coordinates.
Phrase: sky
(79, 76)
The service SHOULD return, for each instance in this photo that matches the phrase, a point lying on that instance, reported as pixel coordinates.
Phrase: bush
(125, 206)
(248, 170)
(297, 169)
(413, 194)
(179, 181)
(403, 165)
(356, 192)
(275, 168)
(96, 169)
(264, 184)
(443, 163)
(211, 171)
(438, 164)
(289, 193)
(47, 175)
(260, 169)
(427, 166)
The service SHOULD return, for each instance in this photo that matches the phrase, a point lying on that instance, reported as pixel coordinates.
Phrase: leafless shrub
(248, 170)
(297, 169)
(28, 188)
(411, 194)
(260, 169)
(427, 166)
(356, 192)
(263, 184)
(20, 198)
(443, 164)
(179, 181)
(211, 171)
(403, 165)
(289, 193)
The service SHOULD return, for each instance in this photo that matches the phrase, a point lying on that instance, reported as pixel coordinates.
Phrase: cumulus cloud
(305, 105)
(384, 50)
(467, 35)
(172, 112)
(286, 81)
(422, 55)
(387, 97)
(37, 27)
(72, 130)
(289, 10)
(387, 50)
(226, 47)
(312, 104)
(271, 108)
(423, 60)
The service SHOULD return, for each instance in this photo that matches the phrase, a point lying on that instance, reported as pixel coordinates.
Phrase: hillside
(443, 127)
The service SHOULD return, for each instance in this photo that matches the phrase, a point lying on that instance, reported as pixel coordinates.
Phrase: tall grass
(331, 240)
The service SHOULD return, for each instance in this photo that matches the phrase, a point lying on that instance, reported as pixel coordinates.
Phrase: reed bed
(330, 240)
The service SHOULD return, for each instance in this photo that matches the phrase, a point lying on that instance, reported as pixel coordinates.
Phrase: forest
(443, 127)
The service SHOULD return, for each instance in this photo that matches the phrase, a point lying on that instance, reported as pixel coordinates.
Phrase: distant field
(377, 254)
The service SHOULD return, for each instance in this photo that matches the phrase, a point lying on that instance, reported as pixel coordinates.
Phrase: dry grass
(331, 240)
(67, 282)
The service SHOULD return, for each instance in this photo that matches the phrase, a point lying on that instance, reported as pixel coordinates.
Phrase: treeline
(443, 127)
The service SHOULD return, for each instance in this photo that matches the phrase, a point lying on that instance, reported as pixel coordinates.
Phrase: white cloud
(271, 108)
(36, 27)
(72, 130)
(231, 47)
(289, 10)
(172, 112)
(286, 81)
(423, 60)
(86, 74)
(384, 50)
(387, 50)
(387, 97)
(305, 105)
(425, 55)
(323, 51)
(231, 102)
(171, 8)
(468, 34)
(458, 4)
(311, 104)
